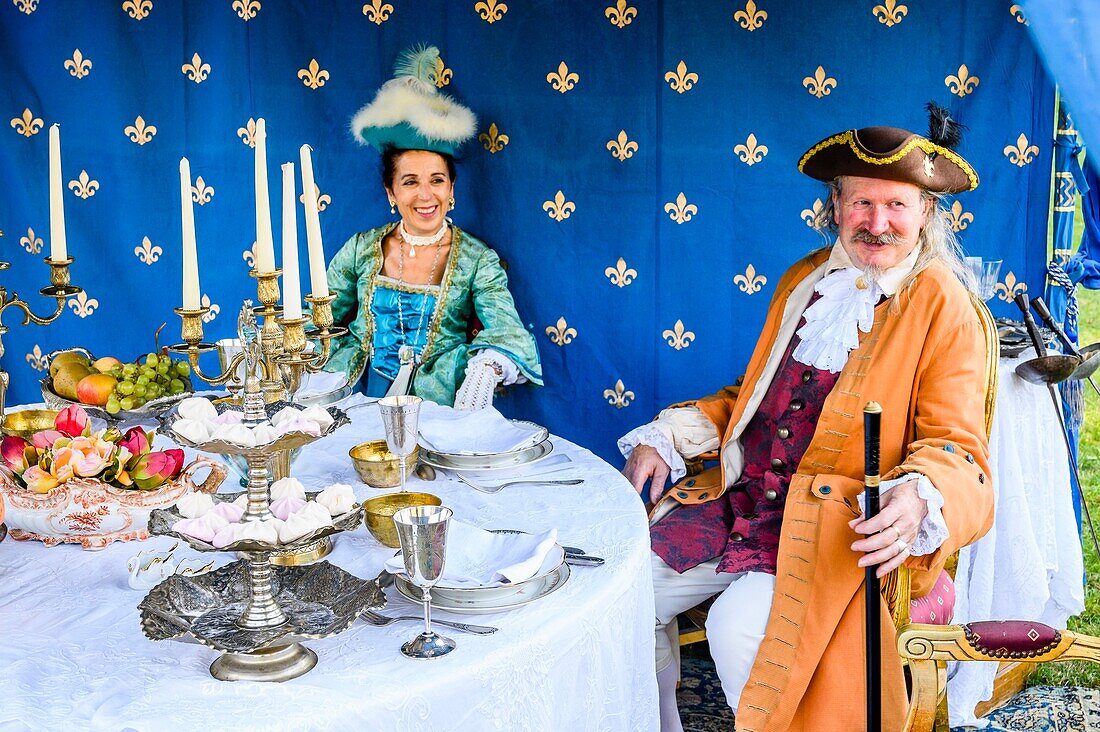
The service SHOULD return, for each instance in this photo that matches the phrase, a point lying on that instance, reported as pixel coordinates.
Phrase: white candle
(318, 279)
(58, 248)
(265, 246)
(190, 256)
(292, 285)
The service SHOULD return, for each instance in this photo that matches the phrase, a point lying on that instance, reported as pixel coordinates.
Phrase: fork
(380, 621)
(528, 481)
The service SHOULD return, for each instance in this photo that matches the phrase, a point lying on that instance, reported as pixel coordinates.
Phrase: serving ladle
(1089, 355)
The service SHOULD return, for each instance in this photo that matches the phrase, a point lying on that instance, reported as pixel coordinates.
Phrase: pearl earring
(452, 208)
(393, 207)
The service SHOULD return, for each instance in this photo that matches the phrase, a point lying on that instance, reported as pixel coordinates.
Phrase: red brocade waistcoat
(743, 527)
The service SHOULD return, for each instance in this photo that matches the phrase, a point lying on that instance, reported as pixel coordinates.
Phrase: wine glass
(422, 531)
(400, 415)
(985, 274)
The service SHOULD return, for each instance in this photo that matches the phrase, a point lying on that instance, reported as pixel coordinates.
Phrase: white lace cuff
(933, 530)
(510, 373)
(649, 434)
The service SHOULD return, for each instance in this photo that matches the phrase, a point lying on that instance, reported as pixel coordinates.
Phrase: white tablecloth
(1029, 565)
(72, 656)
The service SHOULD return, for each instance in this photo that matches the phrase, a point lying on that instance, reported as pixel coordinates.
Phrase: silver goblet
(400, 415)
(422, 531)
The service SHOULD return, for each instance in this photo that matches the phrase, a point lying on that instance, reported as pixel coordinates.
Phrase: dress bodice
(403, 314)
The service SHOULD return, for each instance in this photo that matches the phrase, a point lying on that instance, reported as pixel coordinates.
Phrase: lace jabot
(834, 321)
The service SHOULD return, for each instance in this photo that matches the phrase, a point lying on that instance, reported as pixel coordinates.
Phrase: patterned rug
(1038, 709)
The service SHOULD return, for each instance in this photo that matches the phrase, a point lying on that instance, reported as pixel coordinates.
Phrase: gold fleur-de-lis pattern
(890, 13)
(681, 80)
(26, 6)
(563, 79)
(377, 11)
(323, 199)
(84, 186)
(1017, 12)
(201, 193)
(560, 208)
(1009, 288)
(313, 75)
(619, 396)
(248, 133)
(680, 210)
(750, 18)
(962, 82)
(196, 70)
(494, 140)
(139, 131)
(1022, 153)
(31, 242)
(78, 66)
(809, 215)
(560, 333)
(622, 147)
(678, 337)
(247, 9)
(751, 152)
(212, 312)
(83, 305)
(147, 252)
(750, 282)
(38, 360)
(27, 124)
(138, 9)
(490, 10)
(820, 84)
(621, 14)
(620, 275)
(442, 74)
(958, 218)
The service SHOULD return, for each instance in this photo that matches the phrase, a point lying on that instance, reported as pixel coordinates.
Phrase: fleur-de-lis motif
(246, 9)
(962, 84)
(323, 199)
(750, 18)
(196, 71)
(620, 274)
(809, 214)
(248, 133)
(314, 77)
(678, 338)
(377, 11)
(563, 79)
(249, 256)
(28, 124)
(493, 140)
(490, 10)
(30, 242)
(559, 208)
(618, 397)
(140, 132)
(623, 147)
(1010, 288)
(560, 333)
(84, 186)
(38, 360)
(751, 153)
(442, 74)
(890, 12)
(681, 80)
(1022, 153)
(83, 305)
(214, 309)
(750, 282)
(138, 9)
(148, 252)
(620, 14)
(1017, 12)
(201, 193)
(78, 66)
(820, 85)
(26, 6)
(680, 210)
(959, 219)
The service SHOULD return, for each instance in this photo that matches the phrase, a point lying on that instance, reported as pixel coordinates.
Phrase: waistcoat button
(806, 376)
(770, 494)
(796, 404)
(777, 463)
(736, 536)
(783, 433)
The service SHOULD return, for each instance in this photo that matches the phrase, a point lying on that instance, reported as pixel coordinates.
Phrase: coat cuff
(651, 435)
(933, 530)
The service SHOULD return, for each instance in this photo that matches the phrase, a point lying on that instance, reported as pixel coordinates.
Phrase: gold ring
(901, 546)
(896, 531)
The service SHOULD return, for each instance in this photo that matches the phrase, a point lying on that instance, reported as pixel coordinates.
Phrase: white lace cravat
(833, 322)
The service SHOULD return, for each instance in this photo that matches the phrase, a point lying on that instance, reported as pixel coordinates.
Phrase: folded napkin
(321, 382)
(449, 430)
(479, 558)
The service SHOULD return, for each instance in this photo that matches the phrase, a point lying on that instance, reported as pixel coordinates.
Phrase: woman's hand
(896, 524)
(646, 465)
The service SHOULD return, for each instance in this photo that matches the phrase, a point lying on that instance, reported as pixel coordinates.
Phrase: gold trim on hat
(916, 141)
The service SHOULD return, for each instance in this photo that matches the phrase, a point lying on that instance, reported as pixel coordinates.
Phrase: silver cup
(422, 531)
(400, 415)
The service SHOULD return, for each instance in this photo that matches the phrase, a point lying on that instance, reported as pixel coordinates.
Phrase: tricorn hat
(892, 153)
(409, 113)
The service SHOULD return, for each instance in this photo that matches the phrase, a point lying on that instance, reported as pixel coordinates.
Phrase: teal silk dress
(473, 283)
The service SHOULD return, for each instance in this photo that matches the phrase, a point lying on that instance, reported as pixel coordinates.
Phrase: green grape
(151, 359)
(183, 368)
(143, 379)
(127, 403)
(153, 391)
(116, 371)
(162, 367)
(139, 390)
(113, 406)
(175, 387)
(125, 388)
(128, 370)
(139, 402)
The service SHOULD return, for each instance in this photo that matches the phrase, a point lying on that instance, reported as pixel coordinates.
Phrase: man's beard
(874, 272)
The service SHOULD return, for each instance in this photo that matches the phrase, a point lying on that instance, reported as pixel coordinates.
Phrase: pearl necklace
(421, 241)
(423, 303)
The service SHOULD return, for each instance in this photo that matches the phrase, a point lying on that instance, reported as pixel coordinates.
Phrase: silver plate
(465, 594)
(499, 461)
(538, 434)
(477, 606)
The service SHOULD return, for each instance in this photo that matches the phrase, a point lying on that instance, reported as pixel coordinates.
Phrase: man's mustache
(866, 236)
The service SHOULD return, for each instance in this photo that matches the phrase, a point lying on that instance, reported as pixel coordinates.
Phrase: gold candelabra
(59, 288)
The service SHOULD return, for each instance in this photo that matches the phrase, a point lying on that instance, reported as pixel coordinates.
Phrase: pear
(68, 376)
(66, 357)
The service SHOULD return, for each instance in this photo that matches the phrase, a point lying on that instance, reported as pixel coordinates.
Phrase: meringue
(338, 498)
(226, 535)
(283, 508)
(264, 434)
(196, 408)
(298, 424)
(316, 513)
(193, 430)
(236, 434)
(229, 511)
(194, 505)
(289, 486)
(229, 416)
(203, 528)
(320, 415)
(285, 414)
(265, 531)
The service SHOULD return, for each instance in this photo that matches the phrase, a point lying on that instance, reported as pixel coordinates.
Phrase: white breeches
(735, 623)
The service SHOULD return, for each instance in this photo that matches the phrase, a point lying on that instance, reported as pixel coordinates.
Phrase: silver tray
(498, 461)
(288, 441)
(477, 606)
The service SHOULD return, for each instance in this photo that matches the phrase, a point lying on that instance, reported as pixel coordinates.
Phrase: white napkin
(321, 382)
(449, 430)
(479, 558)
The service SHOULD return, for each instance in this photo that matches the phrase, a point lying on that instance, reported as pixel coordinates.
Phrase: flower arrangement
(72, 450)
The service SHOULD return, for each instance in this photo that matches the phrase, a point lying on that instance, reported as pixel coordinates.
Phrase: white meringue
(338, 498)
(229, 511)
(308, 426)
(259, 531)
(197, 408)
(289, 486)
(226, 535)
(194, 505)
(203, 528)
(285, 414)
(320, 415)
(236, 434)
(283, 508)
(229, 416)
(264, 434)
(192, 429)
(295, 527)
(316, 513)
(241, 502)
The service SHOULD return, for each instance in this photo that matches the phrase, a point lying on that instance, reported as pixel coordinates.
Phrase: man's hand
(898, 520)
(646, 465)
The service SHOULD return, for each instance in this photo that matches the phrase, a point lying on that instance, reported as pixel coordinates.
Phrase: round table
(73, 655)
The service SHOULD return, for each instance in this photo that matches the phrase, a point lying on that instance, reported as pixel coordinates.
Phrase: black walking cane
(872, 424)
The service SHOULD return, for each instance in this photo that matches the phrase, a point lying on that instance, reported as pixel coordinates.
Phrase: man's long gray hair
(936, 241)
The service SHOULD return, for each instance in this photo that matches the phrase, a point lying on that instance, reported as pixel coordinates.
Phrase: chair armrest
(1017, 640)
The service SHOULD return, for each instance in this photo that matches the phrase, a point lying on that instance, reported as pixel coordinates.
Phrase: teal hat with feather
(409, 112)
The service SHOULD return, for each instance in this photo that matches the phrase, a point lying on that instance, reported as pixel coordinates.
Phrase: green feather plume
(418, 62)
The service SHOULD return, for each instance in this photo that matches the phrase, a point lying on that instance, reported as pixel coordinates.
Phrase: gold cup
(377, 466)
(378, 513)
(28, 421)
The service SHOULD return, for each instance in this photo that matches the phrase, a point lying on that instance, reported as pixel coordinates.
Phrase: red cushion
(1012, 638)
(938, 606)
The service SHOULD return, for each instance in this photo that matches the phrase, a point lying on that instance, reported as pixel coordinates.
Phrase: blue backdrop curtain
(635, 165)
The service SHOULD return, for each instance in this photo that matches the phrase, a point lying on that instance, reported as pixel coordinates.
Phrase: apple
(105, 364)
(95, 389)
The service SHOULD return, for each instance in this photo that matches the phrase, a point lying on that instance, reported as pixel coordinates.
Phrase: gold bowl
(377, 466)
(378, 513)
(27, 422)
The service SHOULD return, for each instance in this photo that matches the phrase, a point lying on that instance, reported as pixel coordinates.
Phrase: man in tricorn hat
(776, 530)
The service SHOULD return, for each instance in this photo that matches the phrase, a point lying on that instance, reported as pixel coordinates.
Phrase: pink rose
(14, 450)
(73, 421)
(136, 441)
(45, 439)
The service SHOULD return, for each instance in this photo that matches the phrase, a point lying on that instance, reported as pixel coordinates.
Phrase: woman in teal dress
(410, 290)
